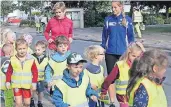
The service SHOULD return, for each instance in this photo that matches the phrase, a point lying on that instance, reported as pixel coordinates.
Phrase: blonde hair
(20, 41)
(59, 5)
(92, 51)
(4, 33)
(138, 46)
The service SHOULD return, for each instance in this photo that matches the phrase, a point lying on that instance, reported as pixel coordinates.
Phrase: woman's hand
(50, 40)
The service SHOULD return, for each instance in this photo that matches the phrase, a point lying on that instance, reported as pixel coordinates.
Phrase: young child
(57, 62)
(74, 87)
(22, 74)
(7, 36)
(95, 71)
(7, 95)
(120, 76)
(146, 77)
(41, 62)
(29, 40)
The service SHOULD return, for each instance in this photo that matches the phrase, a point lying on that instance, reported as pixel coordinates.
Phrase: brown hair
(42, 43)
(61, 40)
(20, 41)
(59, 5)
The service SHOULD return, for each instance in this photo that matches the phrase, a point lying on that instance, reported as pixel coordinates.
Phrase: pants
(137, 27)
(110, 60)
(94, 104)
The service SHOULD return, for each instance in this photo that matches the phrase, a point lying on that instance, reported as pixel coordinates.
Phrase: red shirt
(111, 79)
(34, 71)
(58, 27)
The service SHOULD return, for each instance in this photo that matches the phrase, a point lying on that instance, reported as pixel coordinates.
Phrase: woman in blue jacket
(117, 33)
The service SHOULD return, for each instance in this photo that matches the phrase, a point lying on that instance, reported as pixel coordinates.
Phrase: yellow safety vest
(75, 97)
(29, 51)
(137, 16)
(122, 82)
(41, 68)
(155, 92)
(3, 80)
(58, 68)
(22, 75)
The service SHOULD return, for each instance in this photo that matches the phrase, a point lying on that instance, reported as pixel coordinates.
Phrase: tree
(6, 7)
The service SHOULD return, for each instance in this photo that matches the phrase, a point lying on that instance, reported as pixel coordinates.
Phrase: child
(7, 95)
(146, 77)
(94, 70)
(74, 87)
(29, 39)
(41, 62)
(57, 62)
(22, 74)
(119, 74)
(7, 36)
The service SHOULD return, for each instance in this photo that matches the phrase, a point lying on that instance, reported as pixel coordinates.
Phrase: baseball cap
(74, 58)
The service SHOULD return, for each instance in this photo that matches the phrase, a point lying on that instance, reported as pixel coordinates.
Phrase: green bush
(153, 19)
(167, 21)
(159, 20)
(27, 23)
(36, 13)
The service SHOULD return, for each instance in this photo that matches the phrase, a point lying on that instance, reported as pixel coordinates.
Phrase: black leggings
(111, 59)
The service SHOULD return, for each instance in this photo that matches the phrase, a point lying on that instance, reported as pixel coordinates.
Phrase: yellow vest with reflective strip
(137, 17)
(75, 97)
(58, 68)
(22, 76)
(157, 97)
(122, 81)
(41, 68)
(3, 80)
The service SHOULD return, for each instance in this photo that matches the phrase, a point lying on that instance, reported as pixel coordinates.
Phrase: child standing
(41, 62)
(120, 72)
(22, 74)
(146, 77)
(7, 95)
(94, 70)
(57, 62)
(74, 87)
(29, 39)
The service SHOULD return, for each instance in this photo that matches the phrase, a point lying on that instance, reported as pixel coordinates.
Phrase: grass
(161, 29)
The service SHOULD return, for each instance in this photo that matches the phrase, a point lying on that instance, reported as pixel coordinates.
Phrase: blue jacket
(58, 58)
(57, 95)
(114, 34)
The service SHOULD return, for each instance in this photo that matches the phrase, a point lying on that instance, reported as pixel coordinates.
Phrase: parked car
(13, 20)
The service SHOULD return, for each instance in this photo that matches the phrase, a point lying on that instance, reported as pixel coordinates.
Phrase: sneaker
(40, 105)
(32, 103)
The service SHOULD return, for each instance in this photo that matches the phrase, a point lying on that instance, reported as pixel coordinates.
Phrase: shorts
(26, 93)
(40, 86)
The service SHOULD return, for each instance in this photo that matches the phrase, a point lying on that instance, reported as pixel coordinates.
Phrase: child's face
(75, 69)
(22, 50)
(11, 37)
(134, 54)
(101, 55)
(62, 48)
(39, 50)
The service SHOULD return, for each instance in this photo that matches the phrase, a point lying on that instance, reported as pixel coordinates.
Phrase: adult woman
(58, 25)
(117, 32)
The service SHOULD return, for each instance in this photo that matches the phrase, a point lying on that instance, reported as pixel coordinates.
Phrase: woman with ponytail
(146, 77)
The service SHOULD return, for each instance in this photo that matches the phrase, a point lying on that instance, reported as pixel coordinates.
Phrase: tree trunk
(167, 12)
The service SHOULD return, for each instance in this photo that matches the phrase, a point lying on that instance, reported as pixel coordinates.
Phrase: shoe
(40, 105)
(32, 103)
(112, 105)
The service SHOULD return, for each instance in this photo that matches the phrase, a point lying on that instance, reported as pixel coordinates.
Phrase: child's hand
(94, 98)
(102, 96)
(33, 88)
(8, 85)
(50, 40)
(94, 87)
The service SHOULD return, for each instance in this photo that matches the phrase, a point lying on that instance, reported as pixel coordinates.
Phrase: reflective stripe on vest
(22, 75)
(75, 97)
(58, 68)
(157, 97)
(122, 81)
(41, 68)
(137, 17)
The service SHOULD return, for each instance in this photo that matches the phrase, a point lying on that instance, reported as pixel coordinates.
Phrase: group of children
(71, 83)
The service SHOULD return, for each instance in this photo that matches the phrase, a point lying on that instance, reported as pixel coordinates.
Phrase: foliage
(29, 23)
(167, 21)
(7, 7)
(36, 13)
(153, 19)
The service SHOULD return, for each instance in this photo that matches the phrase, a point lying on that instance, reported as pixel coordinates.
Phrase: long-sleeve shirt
(34, 71)
(111, 79)
(58, 27)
